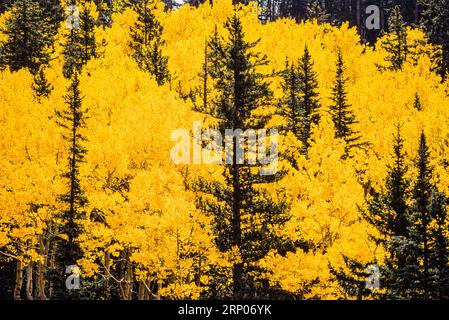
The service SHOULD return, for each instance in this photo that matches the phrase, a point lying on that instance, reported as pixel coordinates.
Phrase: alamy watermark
(210, 146)
(372, 281)
(72, 282)
(73, 17)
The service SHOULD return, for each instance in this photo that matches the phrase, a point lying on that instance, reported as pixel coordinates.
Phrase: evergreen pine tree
(434, 18)
(309, 96)
(411, 279)
(105, 9)
(388, 213)
(54, 12)
(316, 12)
(413, 228)
(72, 120)
(397, 46)
(439, 252)
(41, 87)
(417, 102)
(147, 43)
(342, 115)
(422, 196)
(29, 37)
(290, 106)
(80, 45)
(300, 104)
(243, 215)
(353, 280)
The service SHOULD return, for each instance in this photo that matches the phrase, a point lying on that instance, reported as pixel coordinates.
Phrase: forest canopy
(90, 98)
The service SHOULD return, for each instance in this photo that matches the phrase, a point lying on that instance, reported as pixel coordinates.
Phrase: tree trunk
(19, 280)
(141, 293)
(358, 13)
(29, 282)
(39, 279)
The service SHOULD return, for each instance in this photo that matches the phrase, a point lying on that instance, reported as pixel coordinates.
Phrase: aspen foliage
(143, 236)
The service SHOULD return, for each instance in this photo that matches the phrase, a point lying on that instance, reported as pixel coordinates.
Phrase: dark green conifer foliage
(417, 103)
(397, 47)
(413, 228)
(105, 10)
(290, 106)
(340, 110)
(316, 12)
(244, 213)
(388, 209)
(300, 103)
(439, 253)
(80, 45)
(309, 97)
(426, 239)
(42, 88)
(72, 120)
(353, 280)
(434, 18)
(388, 213)
(410, 279)
(54, 12)
(147, 43)
(30, 37)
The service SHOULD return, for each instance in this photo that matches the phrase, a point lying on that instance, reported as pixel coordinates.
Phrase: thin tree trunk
(39, 279)
(141, 293)
(29, 282)
(19, 280)
(358, 13)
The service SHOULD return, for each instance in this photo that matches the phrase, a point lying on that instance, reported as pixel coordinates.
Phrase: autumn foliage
(141, 233)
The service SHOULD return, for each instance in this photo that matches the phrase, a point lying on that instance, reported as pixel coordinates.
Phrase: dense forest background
(96, 95)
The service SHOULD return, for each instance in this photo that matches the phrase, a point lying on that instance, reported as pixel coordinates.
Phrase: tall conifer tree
(147, 42)
(300, 103)
(72, 120)
(80, 45)
(41, 87)
(397, 45)
(244, 214)
(340, 110)
(29, 37)
(434, 18)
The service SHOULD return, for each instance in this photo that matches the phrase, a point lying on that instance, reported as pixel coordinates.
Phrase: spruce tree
(72, 120)
(388, 213)
(29, 37)
(417, 102)
(397, 46)
(290, 106)
(244, 213)
(353, 279)
(54, 12)
(340, 110)
(434, 18)
(147, 43)
(427, 238)
(80, 45)
(412, 225)
(316, 12)
(411, 280)
(388, 210)
(41, 87)
(309, 96)
(300, 103)
(105, 9)
(422, 196)
(439, 252)
(425, 274)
